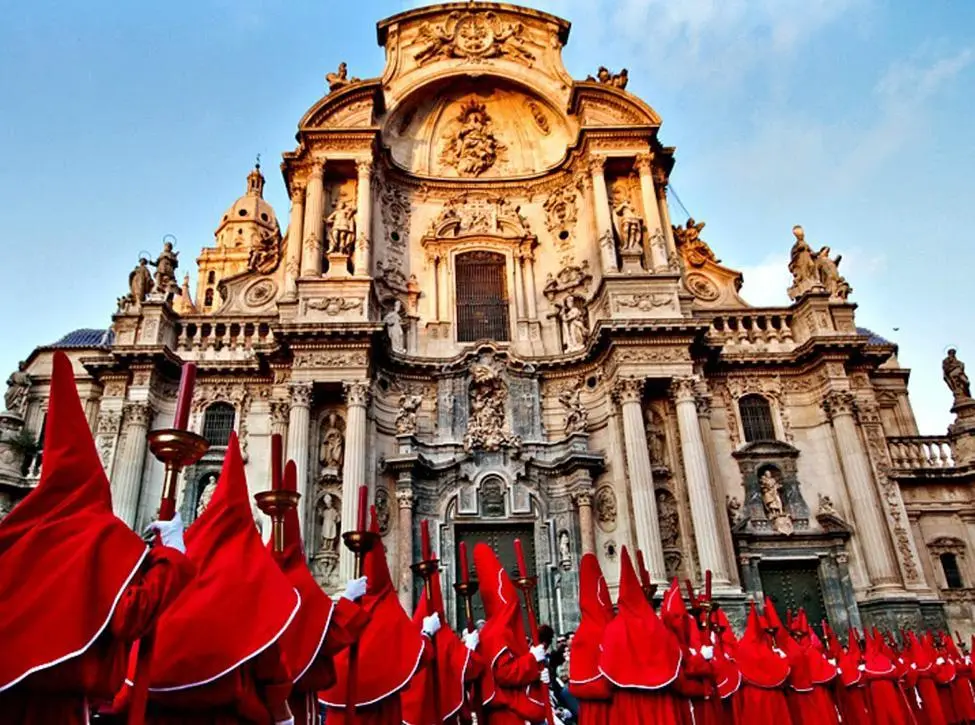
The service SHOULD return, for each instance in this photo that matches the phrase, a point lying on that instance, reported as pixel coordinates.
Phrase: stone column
(292, 254)
(520, 294)
(867, 509)
(629, 394)
(656, 240)
(695, 460)
(604, 222)
(532, 309)
(404, 497)
(130, 461)
(354, 464)
(299, 422)
(586, 531)
(443, 296)
(313, 228)
(660, 186)
(362, 263)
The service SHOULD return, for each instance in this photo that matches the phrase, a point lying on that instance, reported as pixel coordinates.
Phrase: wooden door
(794, 584)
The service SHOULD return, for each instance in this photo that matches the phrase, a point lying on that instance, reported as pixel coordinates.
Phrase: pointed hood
(759, 665)
(305, 635)
(597, 612)
(638, 651)
(674, 613)
(452, 660)
(504, 628)
(875, 658)
(390, 648)
(65, 559)
(850, 661)
(240, 602)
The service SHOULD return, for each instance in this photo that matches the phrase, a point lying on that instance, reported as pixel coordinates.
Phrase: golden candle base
(466, 589)
(426, 568)
(176, 449)
(276, 503)
(359, 543)
(526, 583)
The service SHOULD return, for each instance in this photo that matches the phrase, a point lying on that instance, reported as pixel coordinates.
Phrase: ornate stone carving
(826, 507)
(565, 550)
(301, 394)
(771, 489)
(406, 418)
(467, 214)
(653, 355)
(541, 120)
(656, 437)
(576, 415)
(689, 243)
(260, 293)
(629, 227)
(606, 508)
(472, 148)
(573, 323)
(769, 387)
(265, 255)
(393, 321)
(814, 271)
(335, 306)
(955, 376)
(341, 226)
(280, 411)
(330, 515)
(396, 285)
(166, 265)
(570, 278)
(604, 75)
(645, 302)
(668, 515)
(382, 510)
(331, 452)
(628, 390)
(340, 78)
(138, 414)
(331, 359)
(561, 213)
(356, 392)
(733, 504)
(18, 386)
(473, 36)
(487, 426)
(684, 388)
(394, 206)
(702, 287)
(140, 283)
(205, 489)
(839, 402)
(404, 498)
(492, 495)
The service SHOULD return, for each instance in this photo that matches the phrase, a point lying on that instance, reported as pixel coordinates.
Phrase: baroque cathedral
(482, 309)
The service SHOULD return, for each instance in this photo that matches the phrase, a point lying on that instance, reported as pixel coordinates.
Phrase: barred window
(949, 562)
(218, 423)
(482, 297)
(756, 418)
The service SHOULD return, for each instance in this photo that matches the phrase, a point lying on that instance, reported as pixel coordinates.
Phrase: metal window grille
(482, 297)
(218, 423)
(756, 418)
(949, 562)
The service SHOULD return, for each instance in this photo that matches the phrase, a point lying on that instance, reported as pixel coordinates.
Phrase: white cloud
(766, 282)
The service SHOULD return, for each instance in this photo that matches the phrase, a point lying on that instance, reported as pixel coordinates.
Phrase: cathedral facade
(482, 309)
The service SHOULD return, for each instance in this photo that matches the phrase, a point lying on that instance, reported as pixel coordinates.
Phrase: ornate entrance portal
(794, 584)
(501, 538)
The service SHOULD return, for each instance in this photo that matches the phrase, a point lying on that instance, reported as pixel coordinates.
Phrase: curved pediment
(470, 129)
(600, 104)
(353, 106)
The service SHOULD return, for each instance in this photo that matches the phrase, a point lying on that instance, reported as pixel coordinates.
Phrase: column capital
(301, 394)
(137, 413)
(838, 403)
(684, 389)
(404, 497)
(644, 163)
(583, 499)
(363, 167)
(628, 390)
(660, 182)
(317, 169)
(596, 164)
(280, 409)
(297, 193)
(356, 392)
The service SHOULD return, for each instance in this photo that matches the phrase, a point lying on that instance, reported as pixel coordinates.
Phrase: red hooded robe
(726, 672)
(456, 665)
(885, 698)
(519, 695)
(961, 689)
(696, 681)
(928, 710)
(217, 657)
(761, 700)
(321, 629)
(640, 657)
(810, 702)
(77, 586)
(586, 683)
(390, 651)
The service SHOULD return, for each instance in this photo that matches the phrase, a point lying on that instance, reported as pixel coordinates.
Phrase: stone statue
(332, 451)
(829, 274)
(207, 486)
(339, 79)
(18, 385)
(341, 229)
(826, 507)
(656, 439)
(575, 328)
(802, 264)
(473, 148)
(487, 422)
(630, 227)
(576, 416)
(406, 418)
(166, 264)
(771, 490)
(565, 551)
(603, 75)
(393, 320)
(734, 509)
(140, 281)
(688, 239)
(265, 255)
(331, 524)
(954, 374)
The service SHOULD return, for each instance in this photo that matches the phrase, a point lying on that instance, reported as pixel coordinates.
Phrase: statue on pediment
(688, 240)
(339, 79)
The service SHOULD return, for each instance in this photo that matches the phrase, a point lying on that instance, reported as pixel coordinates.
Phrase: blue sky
(123, 122)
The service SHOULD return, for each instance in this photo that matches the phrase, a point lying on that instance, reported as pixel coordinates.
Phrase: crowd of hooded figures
(213, 626)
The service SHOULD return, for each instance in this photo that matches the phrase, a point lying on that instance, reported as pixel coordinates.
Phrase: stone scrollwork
(383, 514)
(301, 394)
(406, 418)
(331, 359)
(628, 390)
(644, 302)
(561, 213)
(472, 36)
(467, 214)
(576, 415)
(487, 427)
(606, 508)
(356, 392)
(570, 278)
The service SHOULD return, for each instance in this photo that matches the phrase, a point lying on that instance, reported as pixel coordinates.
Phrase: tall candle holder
(467, 590)
(176, 449)
(276, 503)
(426, 569)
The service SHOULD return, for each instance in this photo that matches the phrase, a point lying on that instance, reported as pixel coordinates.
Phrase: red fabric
(761, 706)
(238, 604)
(58, 694)
(504, 645)
(638, 651)
(389, 651)
(595, 712)
(305, 635)
(586, 682)
(65, 559)
(759, 665)
(653, 707)
(454, 667)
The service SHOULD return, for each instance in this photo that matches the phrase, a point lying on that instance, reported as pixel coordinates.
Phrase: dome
(250, 218)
